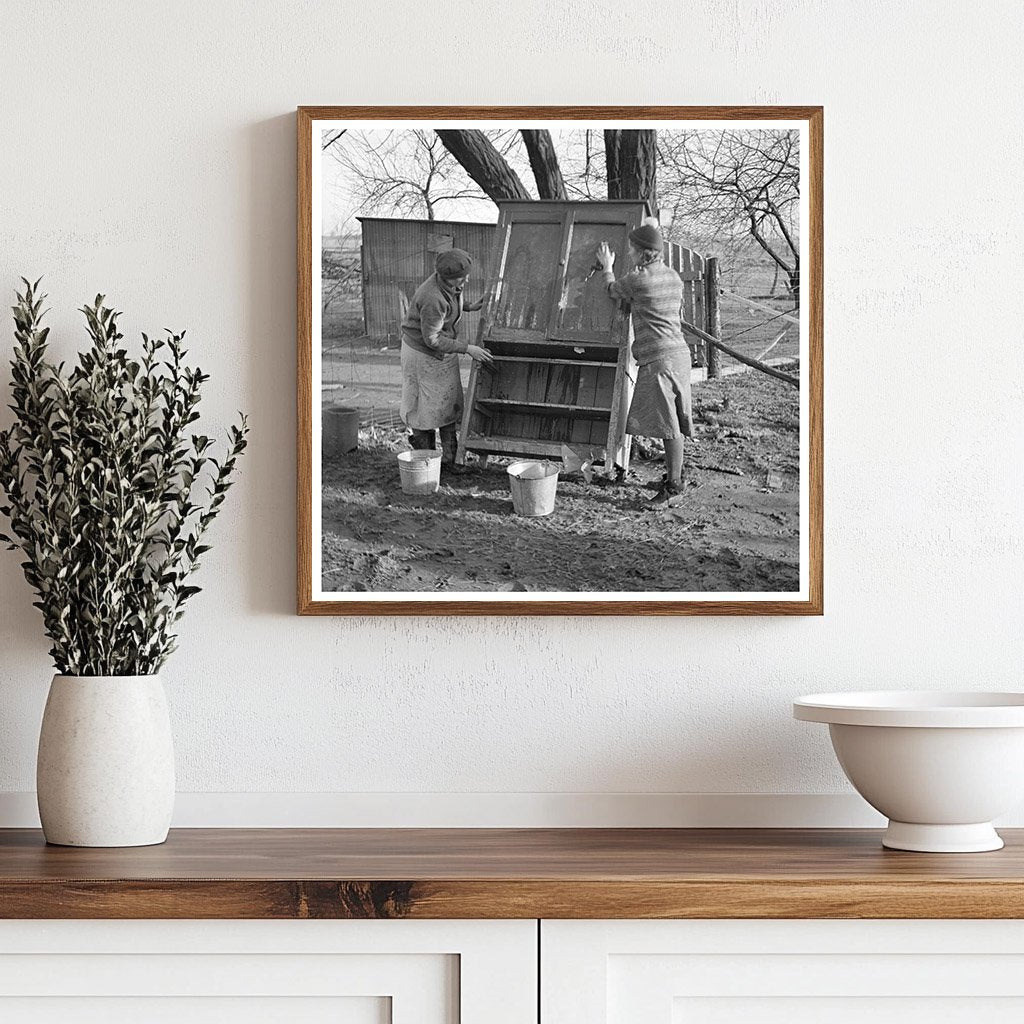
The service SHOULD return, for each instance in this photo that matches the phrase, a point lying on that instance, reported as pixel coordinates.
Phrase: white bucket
(420, 471)
(533, 487)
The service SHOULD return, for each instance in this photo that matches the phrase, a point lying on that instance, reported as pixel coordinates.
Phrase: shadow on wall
(269, 324)
(21, 625)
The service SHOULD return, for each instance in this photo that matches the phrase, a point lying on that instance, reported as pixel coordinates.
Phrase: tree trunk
(544, 163)
(631, 157)
(794, 282)
(612, 139)
(484, 164)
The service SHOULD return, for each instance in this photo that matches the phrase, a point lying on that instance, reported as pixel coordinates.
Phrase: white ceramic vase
(105, 771)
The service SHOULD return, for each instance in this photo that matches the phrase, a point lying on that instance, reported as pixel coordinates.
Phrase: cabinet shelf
(553, 362)
(547, 407)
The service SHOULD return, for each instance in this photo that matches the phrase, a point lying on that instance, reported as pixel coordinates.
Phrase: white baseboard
(494, 810)
(504, 810)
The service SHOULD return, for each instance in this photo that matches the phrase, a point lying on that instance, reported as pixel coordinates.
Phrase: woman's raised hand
(605, 256)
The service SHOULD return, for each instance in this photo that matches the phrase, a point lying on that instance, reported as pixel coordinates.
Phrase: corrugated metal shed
(397, 255)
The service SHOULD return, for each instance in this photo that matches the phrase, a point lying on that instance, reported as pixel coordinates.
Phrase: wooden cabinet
(782, 972)
(268, 972)
(562, 371)
(492, 926)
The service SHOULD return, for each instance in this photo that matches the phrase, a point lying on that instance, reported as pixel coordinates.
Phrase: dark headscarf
(453, 263)
(647, 236)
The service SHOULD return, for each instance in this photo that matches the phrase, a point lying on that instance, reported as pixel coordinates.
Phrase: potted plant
(109, 496)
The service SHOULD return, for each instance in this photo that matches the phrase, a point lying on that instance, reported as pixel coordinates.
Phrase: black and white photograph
(559, 360)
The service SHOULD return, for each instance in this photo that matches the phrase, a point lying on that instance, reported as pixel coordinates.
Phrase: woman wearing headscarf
(432, 397)
(661, 405)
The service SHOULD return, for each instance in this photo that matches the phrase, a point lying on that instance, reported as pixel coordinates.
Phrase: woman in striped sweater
(661, 405)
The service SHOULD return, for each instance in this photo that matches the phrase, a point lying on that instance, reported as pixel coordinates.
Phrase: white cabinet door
(782, 972)
(258, 972)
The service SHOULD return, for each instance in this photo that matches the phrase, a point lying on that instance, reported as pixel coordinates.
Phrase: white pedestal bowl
(940, 766)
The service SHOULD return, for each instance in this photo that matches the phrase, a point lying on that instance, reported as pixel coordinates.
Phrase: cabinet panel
(799, 972)
(585, 308)
(853, 1009)
(191, 1010)
(342, 972)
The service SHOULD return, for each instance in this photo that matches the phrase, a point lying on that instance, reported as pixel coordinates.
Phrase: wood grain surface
(387, 604)
(508, 873)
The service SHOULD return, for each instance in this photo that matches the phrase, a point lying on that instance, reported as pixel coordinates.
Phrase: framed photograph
(560, 361)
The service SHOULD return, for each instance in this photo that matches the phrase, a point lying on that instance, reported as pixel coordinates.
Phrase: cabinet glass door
(584, 309)
(529, 273)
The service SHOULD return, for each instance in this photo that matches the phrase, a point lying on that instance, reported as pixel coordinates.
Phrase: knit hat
(647, 236)
(453, 263)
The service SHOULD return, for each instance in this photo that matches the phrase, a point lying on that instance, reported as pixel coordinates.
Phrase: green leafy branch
(109, 494)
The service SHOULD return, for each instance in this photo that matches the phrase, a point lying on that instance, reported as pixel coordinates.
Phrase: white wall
(148, 152)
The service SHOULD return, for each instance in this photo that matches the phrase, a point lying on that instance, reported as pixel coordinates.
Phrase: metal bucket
(340, 424)
(420, 471)
(533, 487)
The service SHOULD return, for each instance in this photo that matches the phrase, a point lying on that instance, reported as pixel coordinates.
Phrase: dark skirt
(661, 405)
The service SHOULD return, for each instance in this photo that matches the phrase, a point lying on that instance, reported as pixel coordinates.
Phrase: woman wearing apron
(431, 382)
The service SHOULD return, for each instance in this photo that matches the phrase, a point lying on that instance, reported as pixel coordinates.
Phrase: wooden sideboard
(623, 926)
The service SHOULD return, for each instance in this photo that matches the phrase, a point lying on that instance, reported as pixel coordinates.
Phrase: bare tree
(743, 182)
(484, 163)
(410, 172)
(540, 148)
(405, 173)
(629, 161)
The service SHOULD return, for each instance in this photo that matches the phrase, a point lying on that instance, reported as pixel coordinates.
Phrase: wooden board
(508, 873)
(690, 266)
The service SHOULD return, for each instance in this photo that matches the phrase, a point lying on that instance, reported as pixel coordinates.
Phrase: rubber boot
(450, 447)
(423, 440)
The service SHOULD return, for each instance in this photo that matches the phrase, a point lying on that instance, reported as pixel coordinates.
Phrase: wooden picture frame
(809, 600)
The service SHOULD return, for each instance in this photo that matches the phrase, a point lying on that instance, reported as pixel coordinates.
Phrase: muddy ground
(737, 530)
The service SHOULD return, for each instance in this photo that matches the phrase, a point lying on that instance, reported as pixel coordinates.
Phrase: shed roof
(420, 220)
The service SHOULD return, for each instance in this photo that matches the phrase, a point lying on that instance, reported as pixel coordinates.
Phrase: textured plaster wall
(148, 152)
